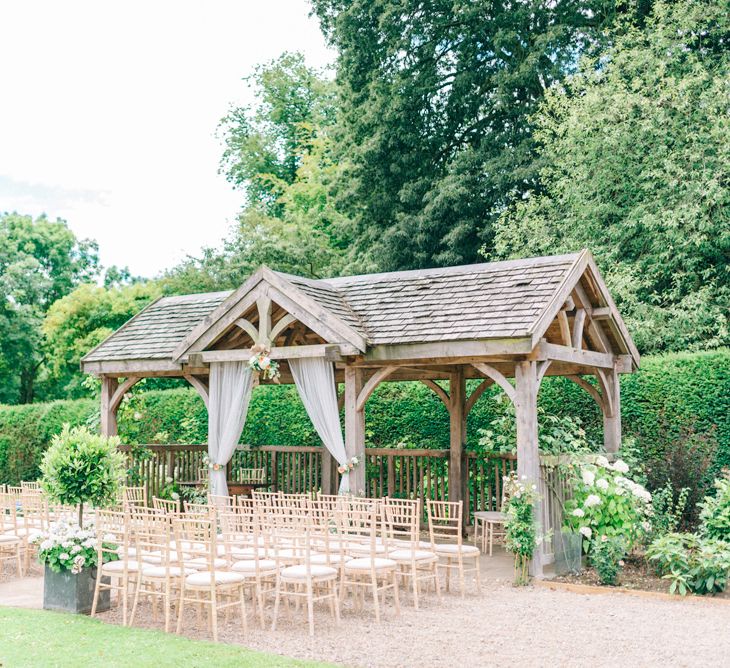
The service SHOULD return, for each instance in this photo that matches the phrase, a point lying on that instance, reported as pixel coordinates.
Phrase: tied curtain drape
(231, 384)
(315, 381)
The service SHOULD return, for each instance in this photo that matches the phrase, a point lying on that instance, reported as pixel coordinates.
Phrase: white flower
(588, 477)
(621, 466)
(578, 512)
(252, 360)
(602, 483)
(621, 563)
(592, 500)
(604, 538)
(76, 549)
(586, 531)
(620, 491)
(137, 415)
(355, 461)
(601, 461)
(175, 496)
(264, 362)
(64, 556)
(46, 545)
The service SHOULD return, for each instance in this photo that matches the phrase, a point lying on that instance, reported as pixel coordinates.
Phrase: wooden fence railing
(395, 472)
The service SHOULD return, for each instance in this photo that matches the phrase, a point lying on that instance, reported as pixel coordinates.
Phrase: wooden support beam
(330, 351)
(263, 306)
(248, 327)
(440, 391)
(457, 438)
(109, 386)
(576, 339)
(355, 429)
(564, 327)
(612, 421)
(474, 396)
(528, 456)
(280, 326)
(447, 352)
(379, 376)
(601, 313)
(558, 353)
(593, 391)
(201, 385)
(497, 377)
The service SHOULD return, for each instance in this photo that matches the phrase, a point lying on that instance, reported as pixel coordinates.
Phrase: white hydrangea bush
(607, 503)
(68, 547)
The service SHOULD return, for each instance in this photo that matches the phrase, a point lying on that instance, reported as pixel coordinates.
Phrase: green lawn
(54, 640)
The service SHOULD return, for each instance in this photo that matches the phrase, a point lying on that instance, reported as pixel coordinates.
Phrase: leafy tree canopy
(40, 261)
(81, 320)
(436, 99)
(636, 167)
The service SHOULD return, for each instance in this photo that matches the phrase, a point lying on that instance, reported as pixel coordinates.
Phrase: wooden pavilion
(520, 319)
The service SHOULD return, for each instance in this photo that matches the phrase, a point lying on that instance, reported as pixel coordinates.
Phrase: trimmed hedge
(669, 393)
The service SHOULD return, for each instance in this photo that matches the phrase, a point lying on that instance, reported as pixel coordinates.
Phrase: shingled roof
(471, 302)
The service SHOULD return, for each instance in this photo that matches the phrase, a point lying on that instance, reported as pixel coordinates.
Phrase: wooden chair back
(444, 521)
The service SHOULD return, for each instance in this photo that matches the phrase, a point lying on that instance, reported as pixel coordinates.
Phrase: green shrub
(607, 555)
(668, 508)
(715, 512)
(691, 563)
(520, 537)
(81, 468)
(607, 503)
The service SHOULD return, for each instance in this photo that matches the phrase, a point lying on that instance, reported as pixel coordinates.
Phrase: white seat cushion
(251, 552)
(9, 538)
(406, 544)
(249, 566)
(292, 554)
(30, 532)
(161, 571)
(204, 578)
(118, 567)
(366, 563)
(490, 516)
(300, 572)
(333, 558)
(407, 555)
(202, 561)
(452, 548)
(157, 556)
(365, 549)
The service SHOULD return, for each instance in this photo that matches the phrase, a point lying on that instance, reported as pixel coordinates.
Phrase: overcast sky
(109, 111)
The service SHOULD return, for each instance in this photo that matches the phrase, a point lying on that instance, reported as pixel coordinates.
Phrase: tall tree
(40, 261)
(79, 321)
(435, 125)
(278, 152)
(636, 167)
(265, 142)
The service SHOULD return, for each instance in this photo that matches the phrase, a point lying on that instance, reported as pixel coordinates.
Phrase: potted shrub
(78, 469)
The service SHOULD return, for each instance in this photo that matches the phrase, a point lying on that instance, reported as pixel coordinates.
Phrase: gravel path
(502, 626)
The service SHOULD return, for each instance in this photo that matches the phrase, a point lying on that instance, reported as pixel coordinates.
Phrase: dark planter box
(73, 593)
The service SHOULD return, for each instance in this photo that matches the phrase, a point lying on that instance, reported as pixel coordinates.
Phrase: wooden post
(611, 409)
(108, 411)
(355, 429)
(329, 472)
(528, 456)
(457, 432)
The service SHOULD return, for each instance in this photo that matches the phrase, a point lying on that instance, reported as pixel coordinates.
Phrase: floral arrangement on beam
(261, 363)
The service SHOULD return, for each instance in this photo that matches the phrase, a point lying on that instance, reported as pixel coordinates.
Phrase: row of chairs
(292, 547)
(24, 514)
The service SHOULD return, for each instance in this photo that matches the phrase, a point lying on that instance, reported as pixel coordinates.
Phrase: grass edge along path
(57, 640)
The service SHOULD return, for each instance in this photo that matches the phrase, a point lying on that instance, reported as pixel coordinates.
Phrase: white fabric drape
(231, 384)
(315, 381)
